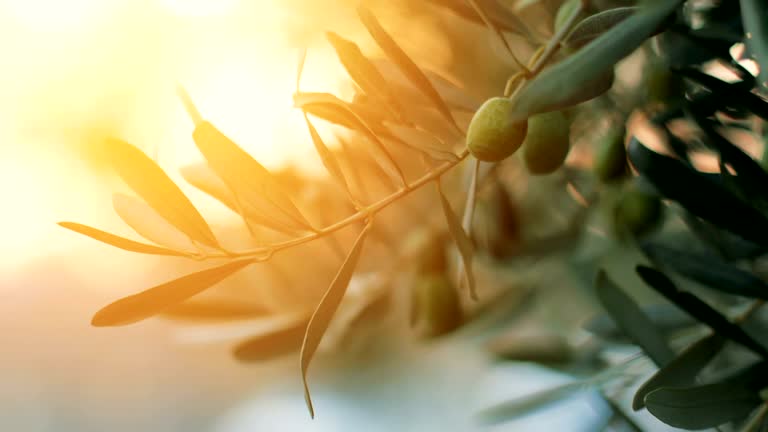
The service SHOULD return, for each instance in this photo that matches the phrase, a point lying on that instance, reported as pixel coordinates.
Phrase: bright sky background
(75, 71)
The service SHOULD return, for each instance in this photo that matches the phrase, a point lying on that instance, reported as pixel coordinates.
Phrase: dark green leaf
(707, 270)
(595, 25)
(324, 312)
(153, 185)
(463, 242)
(754, 14)
(119, 242)
(698, 309)
(552, 89)
(665, 317)
(155, 300)
(683, 370)
(409, 68)
(709, 405)
(702, 197)
(631, 319)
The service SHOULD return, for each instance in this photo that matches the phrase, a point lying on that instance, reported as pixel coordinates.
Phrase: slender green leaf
(154, 186)
(213, 311)
(323, 314)
(631, 319)
(463, 242)
(683, 370)
(698, 309)
(709, 405)
(119, 242)
(701, 196)
(272, 344)
(754, 14)
(409, 68)
(665, 317)
(556, 85)
(328, 158)
(147, 223)
(365, 74)
(591, 27)
(153, 301)
(707, 270)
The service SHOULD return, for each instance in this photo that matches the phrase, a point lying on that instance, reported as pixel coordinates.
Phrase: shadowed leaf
(698, 309)
(324, 312)
(683, 370)
(275, 343)
(708, 270)
(404, 62)
(150, 225)
(665, 317)
(709, 405)
(631, 319)
(155, 300)
(595, 25)
(155, 187)
(119, 242)
(463, 243)
(701, 196)
(554, 88)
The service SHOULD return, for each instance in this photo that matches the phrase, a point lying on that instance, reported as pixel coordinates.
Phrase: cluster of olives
(545, 137)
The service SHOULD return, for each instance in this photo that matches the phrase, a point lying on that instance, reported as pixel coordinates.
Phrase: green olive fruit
(611, 157)
(492, 135)
(548, 142)
(637, 212)
(436, 305)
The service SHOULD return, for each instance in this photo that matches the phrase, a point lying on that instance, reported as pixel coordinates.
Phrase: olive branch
(240, 182)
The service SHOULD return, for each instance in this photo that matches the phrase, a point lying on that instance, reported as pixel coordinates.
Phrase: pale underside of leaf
(325, 310)
(153, 301)
(409, 68)
(147, 223)
(154, 186)
(462, 240)
(204, 178)
(247, 178)
(119, 242)
(552, 88)
(632, 320)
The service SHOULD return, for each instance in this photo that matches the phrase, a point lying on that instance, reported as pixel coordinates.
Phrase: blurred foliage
(618, 135)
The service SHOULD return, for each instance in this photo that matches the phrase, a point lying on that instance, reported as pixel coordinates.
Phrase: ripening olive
(611, 157)
(637, 212)
(437, 309)
(548, 142)
(492, 135)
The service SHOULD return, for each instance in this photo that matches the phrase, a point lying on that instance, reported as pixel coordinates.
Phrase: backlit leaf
(155, 187)
(275, 343)
(213, 311)
(324, 312)
(422, 141)
(328, 159)
(631, 319)
(365, 74)
(463, 242)
(502, 16)
(153, 301)
(405, 63)
(683, 370)
(708, 270)
(557, 84)
(119, 242)
(150, 225)
(698, 309)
